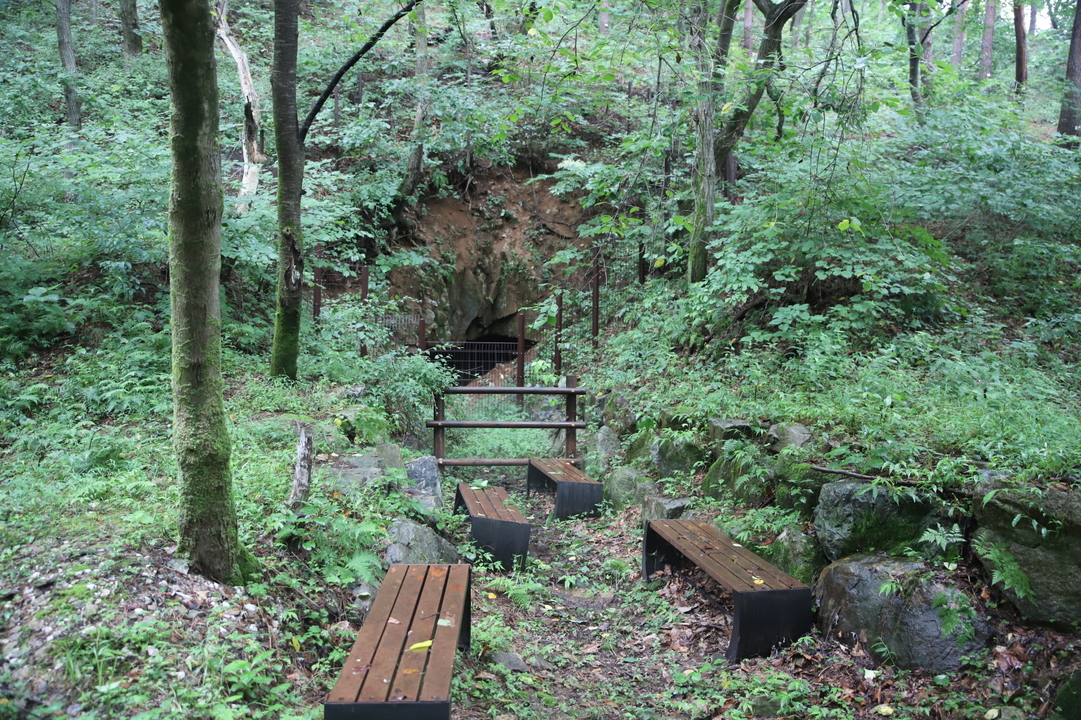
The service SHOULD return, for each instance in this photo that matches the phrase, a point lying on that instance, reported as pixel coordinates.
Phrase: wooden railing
(571, 424)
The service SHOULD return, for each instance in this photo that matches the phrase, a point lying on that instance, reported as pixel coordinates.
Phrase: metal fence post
(557, 354)
(521, 356)
(439, 433)
(596, 293)
(317, 284)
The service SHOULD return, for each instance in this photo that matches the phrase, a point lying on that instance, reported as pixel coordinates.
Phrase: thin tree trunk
(302, 471)
(768, 58)
(987, 43)
(129, 29)
(1020, 53)
(914, 54)
(286, 345)
(1032, 13)
(705, 178)
(748, 25)
(959, 35)
(810, 23)
(249, 140)
(414, 167)
(208, 529)
(604, 18)
(1069, 119)
(72, 104)
(927, 58)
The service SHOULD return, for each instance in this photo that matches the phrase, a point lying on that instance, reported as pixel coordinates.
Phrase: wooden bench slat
(732, 553)
(376, 686)
(495, 526)
(436, 685)
(406, 684)
(357, 665)
(696, 549)
(576, 492)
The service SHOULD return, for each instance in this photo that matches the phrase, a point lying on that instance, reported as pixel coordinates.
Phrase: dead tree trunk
(253, 157)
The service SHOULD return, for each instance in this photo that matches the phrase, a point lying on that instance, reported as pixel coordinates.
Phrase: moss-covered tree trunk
(129, 29)
(705, 176)
(283, 84)
(208, 532)
(72, 104)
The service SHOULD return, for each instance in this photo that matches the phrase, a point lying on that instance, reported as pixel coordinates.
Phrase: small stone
(151, 651)
(250, 608)
(511, 661)
(181, 566)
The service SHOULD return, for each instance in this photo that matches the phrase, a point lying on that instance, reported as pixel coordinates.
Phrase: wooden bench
(576, 493)
(383, 679)
(770, 608)
(494, 526)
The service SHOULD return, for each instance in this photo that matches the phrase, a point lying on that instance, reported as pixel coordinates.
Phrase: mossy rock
(639, 449)
(857, 517)
(796, 485)
(796, 553)
(1068, 700)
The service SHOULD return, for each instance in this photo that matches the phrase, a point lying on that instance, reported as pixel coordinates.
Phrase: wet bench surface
(383, 679)
(576, 493)
(496, 526)
(770, 607)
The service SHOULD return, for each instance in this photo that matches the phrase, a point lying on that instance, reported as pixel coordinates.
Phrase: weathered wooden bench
(384, 678)
(769, 607)
(495, 526)
(576, 493)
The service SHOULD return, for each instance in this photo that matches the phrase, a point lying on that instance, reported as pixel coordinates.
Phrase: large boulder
(618, 413)
(724, 429)
(1068, 699)
(915, 621)
(797, 553)
(621, 486)
(606, 449)
(427, 489)
(1041, 530)
(663, 508)
(411, 542)
(391, 455)
(857, 517)
(675, 456)
(737, 477)
(785, 435)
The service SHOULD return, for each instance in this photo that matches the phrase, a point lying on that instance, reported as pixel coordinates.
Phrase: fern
(519, 592)
(957, 615)
(1004, 568)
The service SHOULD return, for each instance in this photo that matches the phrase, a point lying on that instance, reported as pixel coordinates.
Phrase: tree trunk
(748, 25)
(604, 18)
(283, 88)
(208, 529)
(810, 23)
(129, 29)
(987, 44)
(959, 35)
(414, 167)
(302, 471)
(914, 54)
(72, 105)
(767, 60)
(1020, 53)
(705, 177)
(1032, 13)
(249, 137)
(1069, 119)
(927, 56)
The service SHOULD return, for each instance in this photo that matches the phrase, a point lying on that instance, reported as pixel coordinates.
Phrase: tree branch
(302, 131)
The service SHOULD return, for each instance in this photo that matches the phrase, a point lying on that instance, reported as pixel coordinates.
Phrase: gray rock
(783, 435)
(722, 429)
(413, 543)
(606, 447)
(852, 607)
(640, 447)
(675, 457)
(737, 477)
(796, 553)
(645, 488)
(620, 487)
(361, 469)
(391, 455)
(618, 414)
(365, 595)
(424, 474)
(763, 706)
(1047, 553)
(852, 517)
(511, 661)
(1068, 699)
(662, 508)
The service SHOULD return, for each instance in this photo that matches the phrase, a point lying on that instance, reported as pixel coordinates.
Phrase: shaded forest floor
(102, 622)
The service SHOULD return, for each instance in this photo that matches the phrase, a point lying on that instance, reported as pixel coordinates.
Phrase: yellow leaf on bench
(421, 645)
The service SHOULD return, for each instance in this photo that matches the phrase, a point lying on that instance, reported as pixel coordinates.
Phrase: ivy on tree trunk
(208, 530)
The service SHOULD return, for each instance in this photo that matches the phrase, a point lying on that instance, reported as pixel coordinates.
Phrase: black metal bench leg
(768, 619)
(655, 553)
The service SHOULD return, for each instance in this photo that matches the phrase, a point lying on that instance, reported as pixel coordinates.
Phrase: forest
(816, 265)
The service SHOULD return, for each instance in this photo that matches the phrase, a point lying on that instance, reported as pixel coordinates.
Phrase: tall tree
(208, 528)
(289, 137)
(959, 34)
(987, 42)
(705, 179)
(72, 105)
(414, 166)
(748, 25)
(1069, 119)
(250, 129)
(1020, 55)
(129, 29)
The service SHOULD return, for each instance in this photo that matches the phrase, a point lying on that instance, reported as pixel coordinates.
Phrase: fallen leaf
(492, 596)
(445, 622)
(883, 710)
(296, 644)
(411, 671)
(392, 621)
(591, 649)
(421, 645)
(484, 676)
(685, 609)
